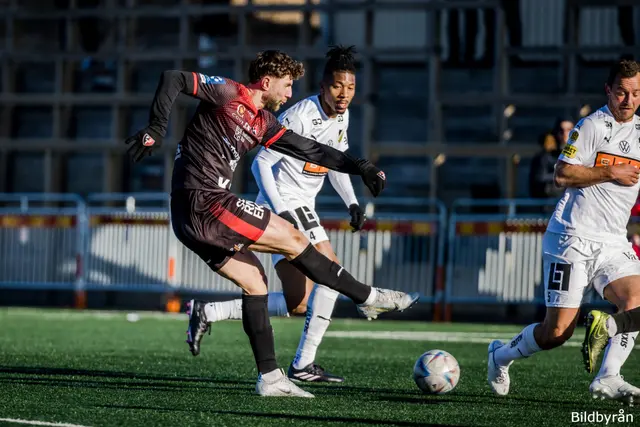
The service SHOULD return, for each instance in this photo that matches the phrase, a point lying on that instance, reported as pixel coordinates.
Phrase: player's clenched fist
(373, 177)
(143, 143)
(625, 174)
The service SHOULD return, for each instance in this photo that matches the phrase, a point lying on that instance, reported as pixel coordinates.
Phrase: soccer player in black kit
(223, 229)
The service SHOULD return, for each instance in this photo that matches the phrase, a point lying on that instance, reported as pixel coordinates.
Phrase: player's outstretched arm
(306, 149)
(172, 83)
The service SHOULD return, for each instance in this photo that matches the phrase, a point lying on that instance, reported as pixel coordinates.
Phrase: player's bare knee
(633, 301)
(253, 281)
(552, 336)
(298, 242)
(300, 309)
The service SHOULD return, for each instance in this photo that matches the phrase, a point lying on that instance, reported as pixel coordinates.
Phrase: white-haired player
(586, 239)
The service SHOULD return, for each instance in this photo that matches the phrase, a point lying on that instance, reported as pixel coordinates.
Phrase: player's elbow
(559, 180)
(255, 169)
(259, 168)
(560, 176)
(169, 75)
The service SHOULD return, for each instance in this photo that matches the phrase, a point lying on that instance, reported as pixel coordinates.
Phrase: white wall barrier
(125, 242)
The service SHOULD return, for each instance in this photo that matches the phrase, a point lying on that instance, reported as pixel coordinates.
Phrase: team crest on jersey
(624, 146)
(574, 136)
(637, 126)
(241, 110)
(341, 136)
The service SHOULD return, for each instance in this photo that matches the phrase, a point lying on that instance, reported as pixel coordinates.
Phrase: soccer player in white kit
(289, 187)
(586, 239)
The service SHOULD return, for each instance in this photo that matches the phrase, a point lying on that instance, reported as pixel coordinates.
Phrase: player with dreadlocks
(289, 187)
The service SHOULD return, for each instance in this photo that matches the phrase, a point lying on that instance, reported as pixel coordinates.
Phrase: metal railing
(495, 252)
(480, 252)
(124, 242)
(42, 241)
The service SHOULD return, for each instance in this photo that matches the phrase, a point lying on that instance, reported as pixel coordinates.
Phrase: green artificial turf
(96, 369)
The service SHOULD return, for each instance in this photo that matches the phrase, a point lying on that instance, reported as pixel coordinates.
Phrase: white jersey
(599, 212)
(286, 182)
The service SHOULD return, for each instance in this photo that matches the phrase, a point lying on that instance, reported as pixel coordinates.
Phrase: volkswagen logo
(624, 147)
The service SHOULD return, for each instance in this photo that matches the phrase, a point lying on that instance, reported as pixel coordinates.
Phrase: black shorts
(216, 225)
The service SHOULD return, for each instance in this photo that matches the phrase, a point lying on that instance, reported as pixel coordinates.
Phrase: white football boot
(497, 375)
(276, 383)
(386, 301)
(614, 387)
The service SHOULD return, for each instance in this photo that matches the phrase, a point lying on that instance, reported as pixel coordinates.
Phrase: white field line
(96, 314)
(38, 423)
(454, 337)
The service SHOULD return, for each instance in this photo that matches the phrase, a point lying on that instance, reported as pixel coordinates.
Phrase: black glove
(373, 177)
(357, 217)
(143, 143)
(289, 217)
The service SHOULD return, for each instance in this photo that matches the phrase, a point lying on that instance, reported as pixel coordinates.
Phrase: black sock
(628, 321)
(255, 320)
(322, 270)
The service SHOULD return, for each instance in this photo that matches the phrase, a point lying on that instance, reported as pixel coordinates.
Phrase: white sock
(319, 309)
(232, 310)
(224, 310)
(612, 328)
(522, 345)
(372, 297)
(616, 353)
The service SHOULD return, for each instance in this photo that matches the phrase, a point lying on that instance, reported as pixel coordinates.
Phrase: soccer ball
(436, 372)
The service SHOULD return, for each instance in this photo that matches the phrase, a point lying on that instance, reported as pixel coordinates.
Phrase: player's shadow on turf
(324, 418)
(119, 385)
(420, 399)
(332, 389)
(115, 374)
(487, 398)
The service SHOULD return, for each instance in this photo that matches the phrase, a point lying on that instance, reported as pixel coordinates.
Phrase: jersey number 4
(559, 275)
(307, 218)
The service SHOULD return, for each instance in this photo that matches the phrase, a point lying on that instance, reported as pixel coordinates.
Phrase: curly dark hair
(625, 69)
(274, 63)
(339, 58)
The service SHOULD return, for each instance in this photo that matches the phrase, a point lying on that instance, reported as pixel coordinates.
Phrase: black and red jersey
(225, 126)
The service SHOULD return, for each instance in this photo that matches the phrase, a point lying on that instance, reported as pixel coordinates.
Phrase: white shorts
(308, 222)
(572, 264)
